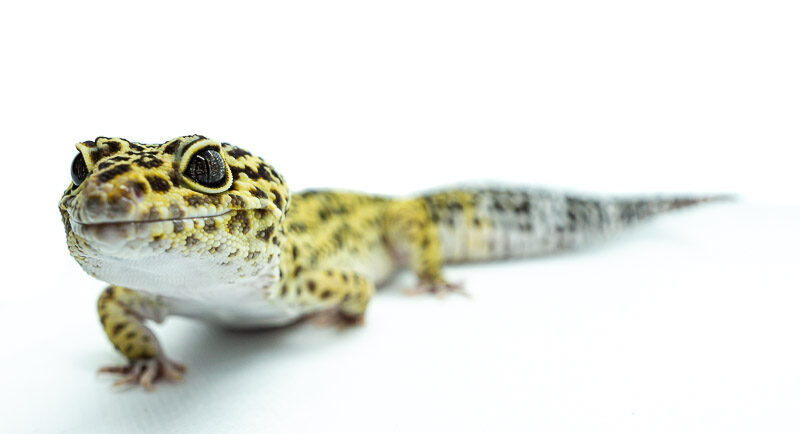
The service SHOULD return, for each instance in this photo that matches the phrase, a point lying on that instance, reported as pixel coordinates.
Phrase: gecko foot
(146, 371)
(440, 289)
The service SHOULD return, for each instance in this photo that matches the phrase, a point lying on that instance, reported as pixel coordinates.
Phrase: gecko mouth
(75, 221)
(124, 238)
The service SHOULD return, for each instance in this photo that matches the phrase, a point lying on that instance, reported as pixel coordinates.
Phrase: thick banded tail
(491, 224)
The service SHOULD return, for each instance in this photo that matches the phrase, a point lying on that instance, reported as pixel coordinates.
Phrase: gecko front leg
(122, 313)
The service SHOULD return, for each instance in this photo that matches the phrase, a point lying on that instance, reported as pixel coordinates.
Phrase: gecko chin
(196, 258)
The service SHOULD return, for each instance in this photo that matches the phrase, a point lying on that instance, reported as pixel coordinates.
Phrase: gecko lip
(126, 237)
(128, 222)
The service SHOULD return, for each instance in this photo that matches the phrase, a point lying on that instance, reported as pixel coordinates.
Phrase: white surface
(689, 324)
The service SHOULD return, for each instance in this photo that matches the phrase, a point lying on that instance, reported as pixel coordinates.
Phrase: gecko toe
(146, 372)
(440, 289)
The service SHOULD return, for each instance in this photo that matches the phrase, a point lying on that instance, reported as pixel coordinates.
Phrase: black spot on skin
(237, 152)
(284, 290)
(264, 234)
(202, 199)
(278, 200)
(326, 294)
(277, 175)
(312, 286)
(294, 252)
(235, 171)
(135, 147)
(210, 225)
(236, 201)
(297, 270)
(110, 291)
(104, 165)
(191, 240)
(158, 183)
(110, 174)
(103, 319)
(130, 335)
(345, 278)
(89, 143)
(113, 147)
(158, 237)
(174, 177)
(239, 222)
(117, 328)
(259, 193)
(95, 155)
(276, 241)
(264, 173)
(172, 146)
(252, 255)
(148, 162)
(251, 173)
(177, 227)
(260, 213)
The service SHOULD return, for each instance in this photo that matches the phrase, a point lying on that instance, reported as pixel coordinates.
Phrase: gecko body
(204, 229)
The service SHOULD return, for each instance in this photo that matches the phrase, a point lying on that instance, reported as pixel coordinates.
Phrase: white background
(686, 325)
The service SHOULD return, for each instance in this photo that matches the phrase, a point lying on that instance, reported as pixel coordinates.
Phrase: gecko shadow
(217, 359)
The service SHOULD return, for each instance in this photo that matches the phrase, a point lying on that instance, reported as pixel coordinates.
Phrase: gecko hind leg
(411, 230)
(122, 313)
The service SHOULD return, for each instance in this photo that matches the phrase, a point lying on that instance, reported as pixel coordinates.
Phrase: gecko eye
(79, 170)
(206, 171)
(204, 168)
(207, 168)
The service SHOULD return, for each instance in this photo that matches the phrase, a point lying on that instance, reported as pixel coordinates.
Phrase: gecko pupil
(79, 170)
(206, 168)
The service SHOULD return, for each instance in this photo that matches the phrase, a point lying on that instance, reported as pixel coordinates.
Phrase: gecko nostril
(136, 190)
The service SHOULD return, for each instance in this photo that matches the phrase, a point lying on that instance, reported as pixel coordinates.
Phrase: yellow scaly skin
(241, 252)
(326, 253)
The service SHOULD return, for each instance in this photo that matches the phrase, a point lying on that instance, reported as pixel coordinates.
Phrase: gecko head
(190, 201)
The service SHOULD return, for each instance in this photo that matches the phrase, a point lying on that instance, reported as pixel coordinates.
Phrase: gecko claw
(146, 371)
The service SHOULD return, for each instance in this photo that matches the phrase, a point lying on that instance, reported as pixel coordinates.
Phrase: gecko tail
(635, 209)
(495, 223)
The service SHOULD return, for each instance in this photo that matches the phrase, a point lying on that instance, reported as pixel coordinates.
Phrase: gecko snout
(105, 203)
